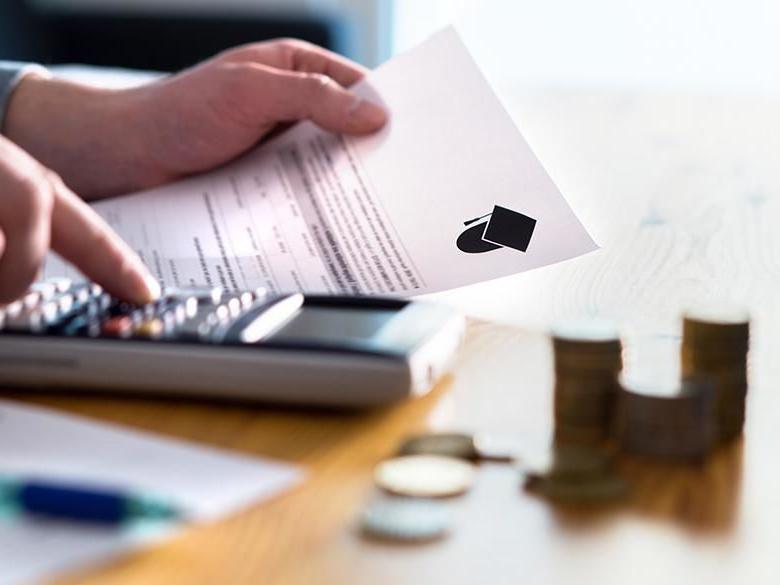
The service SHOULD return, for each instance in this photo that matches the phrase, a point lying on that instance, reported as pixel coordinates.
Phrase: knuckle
(53, 179)
(292, 50)
(291, 45)
(27, 186)
(318, 84)
(237, 76)
(34, 200)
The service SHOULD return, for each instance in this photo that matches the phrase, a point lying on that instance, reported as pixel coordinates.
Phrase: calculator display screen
(334, 325)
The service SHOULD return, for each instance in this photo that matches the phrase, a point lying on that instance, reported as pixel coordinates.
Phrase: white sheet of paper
(206, 482)
(318, 212)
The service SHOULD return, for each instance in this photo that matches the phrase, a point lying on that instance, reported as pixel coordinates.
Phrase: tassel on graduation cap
(504, 228)
(469, 222)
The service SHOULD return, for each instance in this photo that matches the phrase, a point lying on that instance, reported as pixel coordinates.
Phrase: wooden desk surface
(683, 193)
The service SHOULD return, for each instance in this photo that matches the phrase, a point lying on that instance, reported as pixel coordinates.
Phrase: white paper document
(207, 483)
(447, 194)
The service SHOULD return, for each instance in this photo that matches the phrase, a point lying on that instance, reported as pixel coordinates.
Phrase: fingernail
(367, 114)
(153, 287)
(148, 289)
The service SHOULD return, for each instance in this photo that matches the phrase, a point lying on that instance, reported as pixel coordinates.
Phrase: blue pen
(82, 503)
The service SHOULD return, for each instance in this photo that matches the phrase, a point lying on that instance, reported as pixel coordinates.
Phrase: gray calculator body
(295, 349)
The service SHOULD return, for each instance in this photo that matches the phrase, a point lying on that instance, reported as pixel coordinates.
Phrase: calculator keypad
(63, 308)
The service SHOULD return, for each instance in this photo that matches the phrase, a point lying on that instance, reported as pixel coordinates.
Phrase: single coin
(425, 475)
(458, 445)
(586, 330)
(405, 519)
(723, 313)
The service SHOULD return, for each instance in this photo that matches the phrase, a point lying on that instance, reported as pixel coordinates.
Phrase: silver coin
(403, 519)
(425, 476)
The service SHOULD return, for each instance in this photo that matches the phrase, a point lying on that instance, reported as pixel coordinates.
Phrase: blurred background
(707, 44)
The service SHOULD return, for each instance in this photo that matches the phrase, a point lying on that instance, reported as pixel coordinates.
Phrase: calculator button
(176, 314)
(149, 311)
(80, 325)
(264, 318)
(197, 329)
(60, 284)
(205, 295)
(81, 293)
(150, 329)
(31, 299)
(65, 303)
(47, 290)
(190, 305)
(233, 305)
(94, 307)
(203, 323)
(103, 301)
(14, 309)
(246, 299)
(33, 320)
(138, 316)
(121, 326)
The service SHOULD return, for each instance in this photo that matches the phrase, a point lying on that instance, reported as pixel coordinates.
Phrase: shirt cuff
(11, 73)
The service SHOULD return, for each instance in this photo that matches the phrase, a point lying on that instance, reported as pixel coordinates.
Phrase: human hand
(208, 115)
(37, 211)
(106, 142)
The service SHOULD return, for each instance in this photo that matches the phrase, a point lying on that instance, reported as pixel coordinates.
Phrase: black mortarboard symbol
(504, 228)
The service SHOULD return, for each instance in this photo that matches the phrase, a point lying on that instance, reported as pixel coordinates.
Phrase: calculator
(292, 348)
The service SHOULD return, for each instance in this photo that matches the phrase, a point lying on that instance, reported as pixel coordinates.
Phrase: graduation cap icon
(503, 228)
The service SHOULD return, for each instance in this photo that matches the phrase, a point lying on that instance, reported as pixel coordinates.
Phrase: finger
(25, 237)
(295, 55)
(308, 58)
(81, 236)
(288, 96)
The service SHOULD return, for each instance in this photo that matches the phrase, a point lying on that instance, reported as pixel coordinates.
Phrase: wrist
(91, 136)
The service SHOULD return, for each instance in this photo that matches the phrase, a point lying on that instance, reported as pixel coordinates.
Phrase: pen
(82, 503)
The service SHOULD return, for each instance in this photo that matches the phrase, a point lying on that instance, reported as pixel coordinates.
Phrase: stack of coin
(665, 417)
(587, 363)
(578, 474)
(715, 346)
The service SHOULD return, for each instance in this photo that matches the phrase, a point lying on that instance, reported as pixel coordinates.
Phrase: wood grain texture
(683, 194)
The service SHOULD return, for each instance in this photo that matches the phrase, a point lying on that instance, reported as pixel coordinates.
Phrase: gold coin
(425, 476)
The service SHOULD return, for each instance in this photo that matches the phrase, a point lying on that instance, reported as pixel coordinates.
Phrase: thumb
(291, 95)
